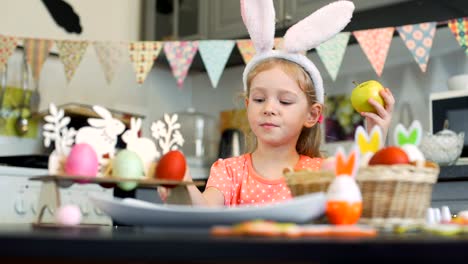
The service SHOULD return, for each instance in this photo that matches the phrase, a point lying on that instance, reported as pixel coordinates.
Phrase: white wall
(100, 20)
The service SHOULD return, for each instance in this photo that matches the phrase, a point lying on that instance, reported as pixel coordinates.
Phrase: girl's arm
(210, 197)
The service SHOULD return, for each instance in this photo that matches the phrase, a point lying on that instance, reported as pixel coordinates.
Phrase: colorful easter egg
(128, 165)
(69, 215)
(171, 167)
(82, 161)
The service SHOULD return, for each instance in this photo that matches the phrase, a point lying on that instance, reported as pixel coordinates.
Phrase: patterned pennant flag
(143, 54)
(246, 49)
(215, 54)
(37, 51)
(459, 28)
(332, 52)
(70, 53)
(7, 46)
(180, 56)
(110, 55)
(375, 44)
(418, 39)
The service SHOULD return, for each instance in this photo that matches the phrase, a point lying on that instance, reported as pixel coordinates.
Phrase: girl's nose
(269, 108)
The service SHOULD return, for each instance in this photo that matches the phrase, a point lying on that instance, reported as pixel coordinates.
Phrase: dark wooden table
(27, 244)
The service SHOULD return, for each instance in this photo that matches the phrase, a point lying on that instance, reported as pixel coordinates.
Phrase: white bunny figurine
(409, 140)
(344, 199)
(144, 147)
(102, 136)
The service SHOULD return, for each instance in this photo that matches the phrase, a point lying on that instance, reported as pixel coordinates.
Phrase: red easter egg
(171, 167)
(389, 156)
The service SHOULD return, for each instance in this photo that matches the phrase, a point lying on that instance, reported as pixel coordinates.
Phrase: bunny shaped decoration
(144, 147)
(102, 135)
(409, 140)
(259, 18)
(167, 133)
(344, 199)
(55, 129)
(368, 144)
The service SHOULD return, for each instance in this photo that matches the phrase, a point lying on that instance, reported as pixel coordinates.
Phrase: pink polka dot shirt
(241, 185)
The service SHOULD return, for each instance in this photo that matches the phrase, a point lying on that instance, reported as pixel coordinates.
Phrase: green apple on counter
(363, 92)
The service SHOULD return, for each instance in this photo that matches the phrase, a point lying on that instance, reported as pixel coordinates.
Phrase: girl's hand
(165, 192)
(187, 176)
(383, 117)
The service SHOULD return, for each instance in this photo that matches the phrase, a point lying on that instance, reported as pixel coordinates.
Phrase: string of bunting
(375, 43)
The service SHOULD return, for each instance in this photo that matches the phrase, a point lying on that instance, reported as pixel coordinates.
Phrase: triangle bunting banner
(375, 44)
(71, 53)
(7, 46)
(215, 54)
(459, 28)
(246, 49)
(37, 51)
(418, 38)
(110, 56)
(142, 55)
(332, 52)
(180, 56)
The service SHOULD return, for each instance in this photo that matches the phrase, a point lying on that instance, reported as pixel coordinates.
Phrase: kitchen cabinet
(175, 19)
(212, 19)
(227, 21)
(221, 19)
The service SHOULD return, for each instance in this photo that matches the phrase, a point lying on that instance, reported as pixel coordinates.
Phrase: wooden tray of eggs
(125, 171)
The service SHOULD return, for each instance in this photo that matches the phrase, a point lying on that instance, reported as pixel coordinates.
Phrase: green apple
(363, 92)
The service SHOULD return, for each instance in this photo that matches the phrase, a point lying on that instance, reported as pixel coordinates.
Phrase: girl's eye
(286, 102)
(258, 100)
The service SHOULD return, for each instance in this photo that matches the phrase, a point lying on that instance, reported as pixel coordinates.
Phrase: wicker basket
(391, 194)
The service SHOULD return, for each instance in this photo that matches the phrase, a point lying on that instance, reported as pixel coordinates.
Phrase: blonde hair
(309, 140)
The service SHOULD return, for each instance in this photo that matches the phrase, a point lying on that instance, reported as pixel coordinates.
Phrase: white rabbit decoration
(102, 136)
(56, 130)
(409, 140)
(168, 135)
(368, 144)
(144, 147)
(344, 198)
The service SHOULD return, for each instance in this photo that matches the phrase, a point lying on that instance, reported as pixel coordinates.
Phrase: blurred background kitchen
(212, 115)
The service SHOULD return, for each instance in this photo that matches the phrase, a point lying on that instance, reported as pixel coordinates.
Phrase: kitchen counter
(24, 243)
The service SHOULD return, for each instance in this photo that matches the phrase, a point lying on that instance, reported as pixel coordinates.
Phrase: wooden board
(144, 183)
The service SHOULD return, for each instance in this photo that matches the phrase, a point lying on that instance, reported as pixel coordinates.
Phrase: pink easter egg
(82, 161)
(68, 215)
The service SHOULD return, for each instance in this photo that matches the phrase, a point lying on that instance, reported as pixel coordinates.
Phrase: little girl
(284, 100)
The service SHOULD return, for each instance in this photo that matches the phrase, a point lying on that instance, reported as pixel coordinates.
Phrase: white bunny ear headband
(320, 26)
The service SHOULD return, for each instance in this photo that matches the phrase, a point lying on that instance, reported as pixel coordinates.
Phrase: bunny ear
(101, 111)
(347, 166)
(368, 143)
(138, 124)
(94, 122)
(318, 27)
(412, 137)
(259, 18)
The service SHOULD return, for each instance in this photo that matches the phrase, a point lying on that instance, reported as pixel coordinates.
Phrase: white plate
(137, 212)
